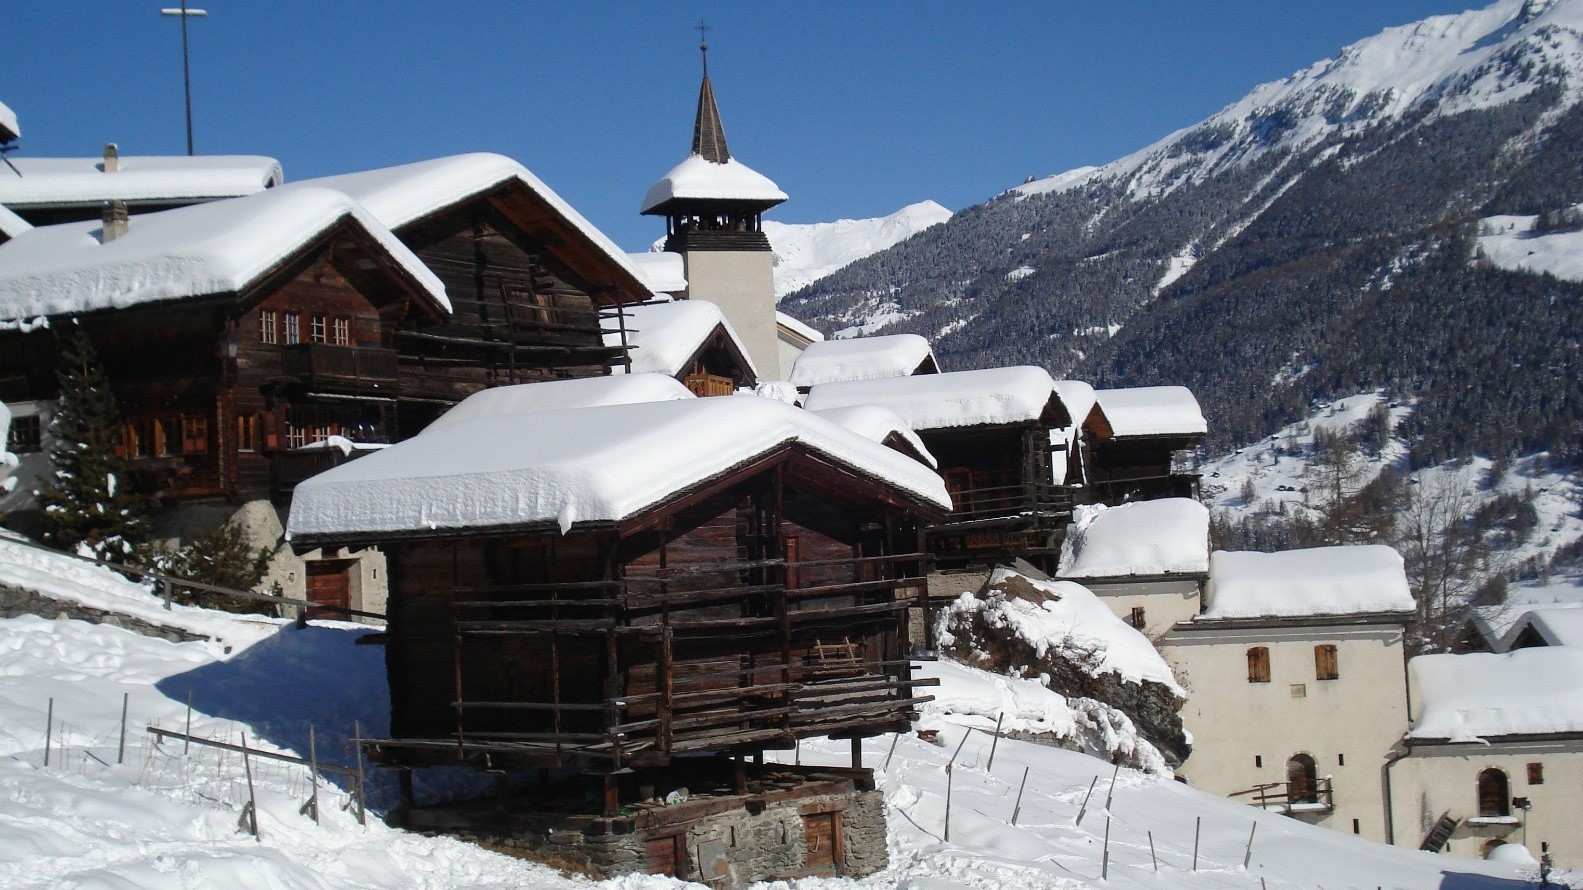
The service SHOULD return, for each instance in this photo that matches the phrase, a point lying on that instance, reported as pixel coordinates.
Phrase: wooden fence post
(362, 800)
(250, 814)
(1152, 860)
(1084, 808)
(1198, 823)
(1248, 856)
(120, 751)
(49, 728)
(1017, 809)
(996, 741)
(1104, 862)
(312, 806)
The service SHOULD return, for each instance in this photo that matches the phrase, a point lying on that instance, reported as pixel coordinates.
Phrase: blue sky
(854, 108)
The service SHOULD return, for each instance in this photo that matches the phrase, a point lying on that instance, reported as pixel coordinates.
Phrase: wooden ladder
(1436, 839)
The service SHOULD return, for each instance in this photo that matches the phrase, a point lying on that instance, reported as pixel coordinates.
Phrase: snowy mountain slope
(805, 253)
(169, 818)
(1266, 237)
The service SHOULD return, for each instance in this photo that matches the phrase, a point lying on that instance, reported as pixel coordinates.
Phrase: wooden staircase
(1435, 840)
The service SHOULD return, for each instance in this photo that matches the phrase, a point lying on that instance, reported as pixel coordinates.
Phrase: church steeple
(709, 135)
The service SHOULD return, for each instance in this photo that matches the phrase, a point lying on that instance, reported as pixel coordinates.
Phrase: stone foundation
(816, 823)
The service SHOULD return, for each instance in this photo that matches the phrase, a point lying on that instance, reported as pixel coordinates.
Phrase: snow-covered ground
(162, 817)
(1509, 242)
(805, 253)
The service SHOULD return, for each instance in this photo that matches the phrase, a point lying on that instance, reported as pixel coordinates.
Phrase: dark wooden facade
(734, 618)
(1002, 484)
(214, 392)
(1118, 469)
(531, 299)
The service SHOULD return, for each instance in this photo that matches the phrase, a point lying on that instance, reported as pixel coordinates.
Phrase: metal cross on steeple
(703, 44)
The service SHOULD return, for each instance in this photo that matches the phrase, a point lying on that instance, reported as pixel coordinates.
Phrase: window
(293, 332)
(1325, 667)
(1495, 795)
(1259, 664)
(1536, 774)
(341, 332)
(317, 330)
(150, 437)
(25, 436)
(194, 435)
(1136, 618)
(247, 432)
(267, 331)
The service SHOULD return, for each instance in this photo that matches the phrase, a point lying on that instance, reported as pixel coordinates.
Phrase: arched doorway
(1495, 793)
(1302, 780)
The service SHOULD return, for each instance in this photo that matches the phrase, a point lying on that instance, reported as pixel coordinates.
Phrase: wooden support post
(612, 795)
(1152, 860)
(1017, 809)
(164, 592)
(1198, 824)
(892, 752)
(186, 743)
(857, 753)
(739, 775)
(405, 800)
(1247, 856)
(49, 728)
(1111, 794)
(120, 748)
(948, 774)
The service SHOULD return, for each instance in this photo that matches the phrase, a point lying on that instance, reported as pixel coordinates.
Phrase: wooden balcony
(321, 366)
(1033, 502)
(1293, 798)
(288, 468)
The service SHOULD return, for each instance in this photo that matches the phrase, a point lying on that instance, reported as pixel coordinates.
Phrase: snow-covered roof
(576, 465)
(665, 272)
(1556, 625)
(1162, 537)
(555, 395)
(53, 182)
(409, 192)
(879, 424)
(199, 250)
(1078, 397)
(9, 128)
(1320, 581)
(862, 358)
(798, 328)
(1465, 698)
(1068, 614)
(665, 336)
(988, 397)
(1152, 411)
(12, 225)
(698, 179)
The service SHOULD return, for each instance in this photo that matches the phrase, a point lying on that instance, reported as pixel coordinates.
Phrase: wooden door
(666, 855)
(330, 584)
(821, 835)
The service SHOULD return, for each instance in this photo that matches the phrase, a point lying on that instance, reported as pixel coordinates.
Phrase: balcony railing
(321, 365)
(288, 468)
(1293, 797)
(1035, 501)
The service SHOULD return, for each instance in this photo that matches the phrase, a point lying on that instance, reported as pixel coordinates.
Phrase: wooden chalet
(534, 287)
(1142, 443)
(617, 588)
(232, 332)
(689, 340)
(998, 438)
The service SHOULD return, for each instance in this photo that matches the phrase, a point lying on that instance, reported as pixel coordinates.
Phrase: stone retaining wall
(16, 601)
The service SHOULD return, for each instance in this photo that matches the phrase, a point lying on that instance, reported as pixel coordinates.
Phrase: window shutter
(1259, 665)
(1325, 663)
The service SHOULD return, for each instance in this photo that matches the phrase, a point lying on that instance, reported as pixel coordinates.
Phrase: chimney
(115, 220)
(112, 158)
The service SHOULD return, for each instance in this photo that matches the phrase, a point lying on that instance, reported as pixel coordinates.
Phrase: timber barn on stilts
(620, 609)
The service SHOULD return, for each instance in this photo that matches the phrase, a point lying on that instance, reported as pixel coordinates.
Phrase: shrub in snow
(222, 557)
(88, 501)
(1062, 634)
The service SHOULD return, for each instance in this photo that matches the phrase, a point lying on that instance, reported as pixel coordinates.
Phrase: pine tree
(88, 501)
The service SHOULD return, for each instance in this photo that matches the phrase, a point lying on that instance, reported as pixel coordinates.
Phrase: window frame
(341, 331)
(268, 327)
(292, 333)
(318, 328)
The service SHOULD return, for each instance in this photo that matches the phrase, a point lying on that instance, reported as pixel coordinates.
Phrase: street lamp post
(183, 13)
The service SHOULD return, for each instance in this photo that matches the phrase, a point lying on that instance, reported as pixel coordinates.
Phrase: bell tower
(713, 206)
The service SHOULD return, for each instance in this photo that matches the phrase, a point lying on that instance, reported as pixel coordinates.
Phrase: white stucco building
(1490, 732)
(1296, 689)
